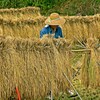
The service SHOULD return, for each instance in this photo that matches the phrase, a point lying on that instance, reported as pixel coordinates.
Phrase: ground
(85, 93)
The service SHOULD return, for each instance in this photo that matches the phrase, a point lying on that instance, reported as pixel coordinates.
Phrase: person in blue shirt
(53, 29)
(52, 26)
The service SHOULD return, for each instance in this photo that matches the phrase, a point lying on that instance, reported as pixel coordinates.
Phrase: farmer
(52, 26)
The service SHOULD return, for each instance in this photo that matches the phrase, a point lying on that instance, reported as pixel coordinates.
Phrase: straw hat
(55, 19)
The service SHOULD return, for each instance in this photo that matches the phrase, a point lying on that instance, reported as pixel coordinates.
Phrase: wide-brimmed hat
(55, 19)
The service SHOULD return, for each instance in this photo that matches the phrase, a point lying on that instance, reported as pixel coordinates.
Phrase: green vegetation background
(64, 7)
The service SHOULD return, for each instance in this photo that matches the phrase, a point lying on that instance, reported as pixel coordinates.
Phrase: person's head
(54, 20)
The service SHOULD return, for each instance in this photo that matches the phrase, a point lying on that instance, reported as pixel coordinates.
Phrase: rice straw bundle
(22, 13)
(82, 27)
(90, 68)
(32, 66)
(21, 28)
(94, 69)
(85, 70)
(75, 27)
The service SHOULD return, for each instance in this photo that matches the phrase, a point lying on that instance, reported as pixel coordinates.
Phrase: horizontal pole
(81, 50)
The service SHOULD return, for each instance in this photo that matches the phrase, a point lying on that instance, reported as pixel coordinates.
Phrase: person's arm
(41, 33)
(61, 35)
(60, 32)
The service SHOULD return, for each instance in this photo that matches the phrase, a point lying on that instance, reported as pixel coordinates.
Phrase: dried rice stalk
(22, 13)
(91, 67)
(22, 28)
(32, 66)
(82, 27)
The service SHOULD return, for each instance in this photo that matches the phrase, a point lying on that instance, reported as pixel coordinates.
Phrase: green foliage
(65, 7)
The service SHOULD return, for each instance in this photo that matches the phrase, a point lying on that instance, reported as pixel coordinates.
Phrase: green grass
(86, 94)
(64, 7)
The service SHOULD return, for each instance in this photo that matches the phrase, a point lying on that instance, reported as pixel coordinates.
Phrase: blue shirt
(47, 30)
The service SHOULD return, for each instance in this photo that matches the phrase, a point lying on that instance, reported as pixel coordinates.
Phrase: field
(37, 66)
